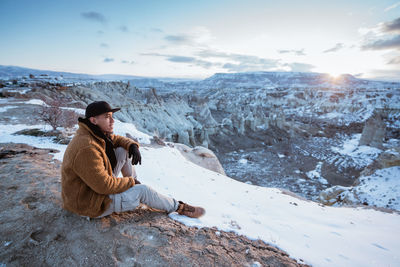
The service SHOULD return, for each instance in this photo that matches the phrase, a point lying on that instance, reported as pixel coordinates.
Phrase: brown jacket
(86, 173)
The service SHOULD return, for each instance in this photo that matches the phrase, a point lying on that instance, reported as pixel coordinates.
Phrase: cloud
(185, 59)
(295, 52)
(243, 67)
(179, 39)
(127, 62)
(123, 28)
(382, 37)
(156, 30)
(197, 37)
(300, 67)
(107, 60)
(337, 47)
(152, 54)
(237, 67)
(250, 63)
(395, 61)
(392, 26)
(211, 53)
(94, 16)
(392, 6)
(382, 44)
(241, 61)
(104, 45)
(197, 62)
(181, 59)
(230, 61)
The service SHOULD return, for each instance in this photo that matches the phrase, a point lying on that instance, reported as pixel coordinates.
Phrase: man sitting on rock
(92, 162)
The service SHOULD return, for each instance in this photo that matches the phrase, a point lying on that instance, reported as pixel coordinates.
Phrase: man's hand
(135, 154)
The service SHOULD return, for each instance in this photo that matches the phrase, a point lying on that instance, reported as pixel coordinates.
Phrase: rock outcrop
(201, 156)
(373, 132)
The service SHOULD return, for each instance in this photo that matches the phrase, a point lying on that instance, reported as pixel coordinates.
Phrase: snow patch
(360, 155)
(316, 174)
(243, 161)
(36, 102)
(122, 128)
(381, 189)
(5, 108)
(7, 136)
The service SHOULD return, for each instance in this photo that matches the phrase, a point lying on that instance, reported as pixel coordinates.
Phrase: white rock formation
(201, 156)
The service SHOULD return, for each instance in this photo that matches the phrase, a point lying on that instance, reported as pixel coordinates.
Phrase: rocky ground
(36, 231)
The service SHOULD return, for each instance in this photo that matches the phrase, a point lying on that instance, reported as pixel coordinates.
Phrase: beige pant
(131, 198)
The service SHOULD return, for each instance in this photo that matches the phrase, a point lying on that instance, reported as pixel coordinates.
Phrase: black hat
(98, 108)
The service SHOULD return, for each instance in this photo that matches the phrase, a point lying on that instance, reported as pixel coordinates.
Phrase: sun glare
(334, 75)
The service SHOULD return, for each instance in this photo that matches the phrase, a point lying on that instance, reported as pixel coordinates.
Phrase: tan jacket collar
(84, 129)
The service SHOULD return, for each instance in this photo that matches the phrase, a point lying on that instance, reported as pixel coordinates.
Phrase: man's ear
(93, 120)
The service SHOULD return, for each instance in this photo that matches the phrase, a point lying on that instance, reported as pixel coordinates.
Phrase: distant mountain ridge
(11, 72)
(251, 80)
(277, 79)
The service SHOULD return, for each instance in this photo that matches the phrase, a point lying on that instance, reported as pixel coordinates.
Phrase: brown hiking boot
(190, 211)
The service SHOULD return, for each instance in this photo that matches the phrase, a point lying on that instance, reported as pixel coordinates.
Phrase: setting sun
(335, 75)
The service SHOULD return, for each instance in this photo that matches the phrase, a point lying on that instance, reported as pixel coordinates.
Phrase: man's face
(105, 121)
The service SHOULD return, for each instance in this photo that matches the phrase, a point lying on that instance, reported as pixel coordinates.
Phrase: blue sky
(195, 39)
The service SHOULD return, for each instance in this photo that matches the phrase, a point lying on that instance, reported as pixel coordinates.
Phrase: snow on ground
(122, 128)
(361, 155)
(242, 161)
(316, 174)
(381, 189)
(378, 193)
(331, 115)
(321, 236)
(7, 136)
(4, 109)
(18, 90)
(36, 102)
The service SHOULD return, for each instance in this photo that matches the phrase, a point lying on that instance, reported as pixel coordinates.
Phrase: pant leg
(124, 164)
(141, 193)
(131, 198)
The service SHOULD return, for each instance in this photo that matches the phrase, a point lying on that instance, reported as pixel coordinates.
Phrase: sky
(195, 39)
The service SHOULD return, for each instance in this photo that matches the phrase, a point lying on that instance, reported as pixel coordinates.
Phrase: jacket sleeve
(89, 165)
(122, 141)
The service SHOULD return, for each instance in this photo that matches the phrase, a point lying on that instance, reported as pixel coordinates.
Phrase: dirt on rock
(36, 231)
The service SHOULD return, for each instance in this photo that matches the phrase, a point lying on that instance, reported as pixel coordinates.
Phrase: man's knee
(145, 191)
(121, 153)
(143, 188)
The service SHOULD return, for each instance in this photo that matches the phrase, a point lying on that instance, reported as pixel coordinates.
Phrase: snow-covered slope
(321, 236)
(308, 231)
